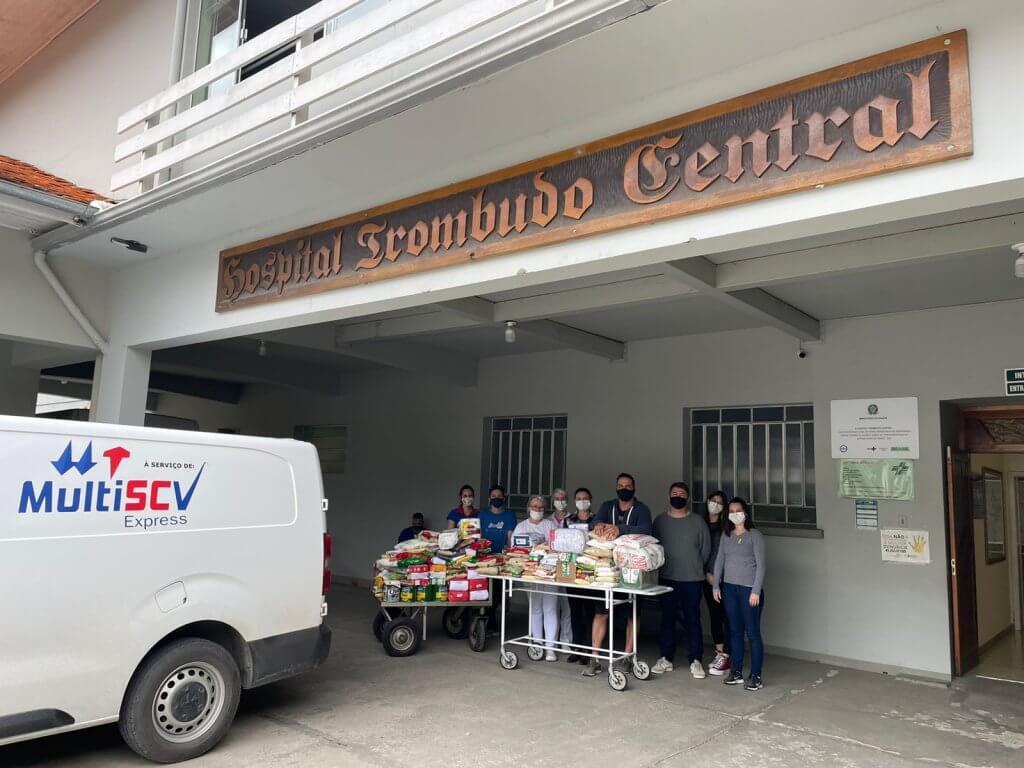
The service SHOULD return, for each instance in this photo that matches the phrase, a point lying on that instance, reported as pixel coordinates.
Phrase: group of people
(720, 559)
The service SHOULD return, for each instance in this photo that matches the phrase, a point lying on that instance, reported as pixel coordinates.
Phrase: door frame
(961, 567)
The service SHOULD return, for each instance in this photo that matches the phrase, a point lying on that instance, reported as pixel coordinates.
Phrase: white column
(18, 386)
(120, 385)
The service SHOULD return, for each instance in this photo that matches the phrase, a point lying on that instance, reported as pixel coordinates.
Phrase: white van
(148, 575)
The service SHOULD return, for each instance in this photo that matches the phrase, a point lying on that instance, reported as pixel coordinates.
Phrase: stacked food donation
(451, 566)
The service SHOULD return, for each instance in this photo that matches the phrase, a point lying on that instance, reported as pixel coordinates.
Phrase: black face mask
(497, 503)
(625, 494)
(678, 502)
(417, 527)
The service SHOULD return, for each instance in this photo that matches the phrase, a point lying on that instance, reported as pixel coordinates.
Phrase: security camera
(801, 354)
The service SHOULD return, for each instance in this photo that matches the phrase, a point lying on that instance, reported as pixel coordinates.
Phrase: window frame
(488, 478)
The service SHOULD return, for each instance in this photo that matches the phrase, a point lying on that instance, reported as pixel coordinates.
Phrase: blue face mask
(497, 503)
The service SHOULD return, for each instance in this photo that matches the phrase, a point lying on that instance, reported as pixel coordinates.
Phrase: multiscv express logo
(79, 489)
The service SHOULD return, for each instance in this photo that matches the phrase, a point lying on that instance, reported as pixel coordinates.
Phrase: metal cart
(397, 624)
(609, 596)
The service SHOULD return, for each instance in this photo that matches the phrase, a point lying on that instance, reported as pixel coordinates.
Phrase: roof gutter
(561, 25)
(38, 202)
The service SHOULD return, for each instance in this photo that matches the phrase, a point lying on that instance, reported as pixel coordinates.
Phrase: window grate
(526, 455)
(765, 454)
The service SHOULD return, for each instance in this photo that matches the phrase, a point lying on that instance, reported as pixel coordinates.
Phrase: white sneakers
(661, 666)
(550, 656)
(697, 670)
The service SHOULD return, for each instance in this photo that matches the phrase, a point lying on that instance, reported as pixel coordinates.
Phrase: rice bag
(571, 540)
(646, 557)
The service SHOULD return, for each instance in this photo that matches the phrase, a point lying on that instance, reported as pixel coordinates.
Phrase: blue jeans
(683, 601)
(744, 620)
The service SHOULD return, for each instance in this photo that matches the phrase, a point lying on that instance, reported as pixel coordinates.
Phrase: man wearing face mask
(413, 530)
(496, 524)
(687, 544)
(618, 517)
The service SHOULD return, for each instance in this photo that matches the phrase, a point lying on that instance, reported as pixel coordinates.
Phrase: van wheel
(181, 701)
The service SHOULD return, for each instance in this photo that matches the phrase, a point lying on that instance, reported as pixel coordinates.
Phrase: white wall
(60, 110)
(31, 311)
(827, 598)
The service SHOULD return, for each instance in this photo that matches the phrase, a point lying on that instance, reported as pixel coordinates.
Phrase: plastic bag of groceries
(571, 540)
(648, 556)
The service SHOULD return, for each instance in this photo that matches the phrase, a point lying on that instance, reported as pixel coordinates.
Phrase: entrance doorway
(985, 506)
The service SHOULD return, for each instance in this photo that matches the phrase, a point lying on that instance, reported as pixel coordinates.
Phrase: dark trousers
(744, 620)
(582, 614)
(682, 602)
(718, 618)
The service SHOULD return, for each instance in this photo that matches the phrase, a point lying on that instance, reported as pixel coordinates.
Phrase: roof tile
(27, 175)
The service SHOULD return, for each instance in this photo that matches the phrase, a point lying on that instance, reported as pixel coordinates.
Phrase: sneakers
(661, 666)
(550, 656)
(721, 666)
(697, 670)
(593, 668)
(622, 665)
(753, 683)
(734, 678)
(572, 658)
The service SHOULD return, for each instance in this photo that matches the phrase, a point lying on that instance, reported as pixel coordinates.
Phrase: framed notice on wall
(995, 516)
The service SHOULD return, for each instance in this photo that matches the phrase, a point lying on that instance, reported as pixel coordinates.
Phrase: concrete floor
(450, 707)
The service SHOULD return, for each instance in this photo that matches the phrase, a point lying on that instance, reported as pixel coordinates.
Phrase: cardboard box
(475, 585)
(458, 596)
(566, 572)
(458, 585)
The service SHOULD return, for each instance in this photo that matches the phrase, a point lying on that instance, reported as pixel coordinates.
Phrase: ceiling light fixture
(1018, 265)
(261, 350)
(510, 331)
(131, 245)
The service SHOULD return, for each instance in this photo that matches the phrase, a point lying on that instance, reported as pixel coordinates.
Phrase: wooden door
(963, 598)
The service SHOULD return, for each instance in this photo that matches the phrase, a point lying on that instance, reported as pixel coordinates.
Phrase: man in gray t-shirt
(687, 543)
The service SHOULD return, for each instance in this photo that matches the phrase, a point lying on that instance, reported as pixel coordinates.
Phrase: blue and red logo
(80, 489)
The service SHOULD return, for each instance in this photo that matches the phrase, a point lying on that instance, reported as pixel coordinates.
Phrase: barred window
(331, 445)
(526, 455)
(765, 454)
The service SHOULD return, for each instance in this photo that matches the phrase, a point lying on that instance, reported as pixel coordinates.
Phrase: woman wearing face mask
(467, 498)
(716, 611)
(739, 576)
(581, 612)
(560, 517)
(544, 607)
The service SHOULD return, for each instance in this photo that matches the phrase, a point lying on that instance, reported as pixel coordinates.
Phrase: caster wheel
(535, 652)
(478, 635)
(641, 670)
(508, 660)
(456, 623)
(617, 680)
(401, 637)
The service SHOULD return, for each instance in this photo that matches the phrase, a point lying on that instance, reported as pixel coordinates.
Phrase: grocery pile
(450, 566)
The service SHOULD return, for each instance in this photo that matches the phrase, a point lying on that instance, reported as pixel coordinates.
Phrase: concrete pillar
(120, 385)
(18, 386)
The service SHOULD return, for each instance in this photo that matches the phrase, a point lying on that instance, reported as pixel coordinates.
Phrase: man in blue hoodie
(625, 514)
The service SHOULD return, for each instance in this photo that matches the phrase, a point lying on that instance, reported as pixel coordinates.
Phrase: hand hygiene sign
(880, 428)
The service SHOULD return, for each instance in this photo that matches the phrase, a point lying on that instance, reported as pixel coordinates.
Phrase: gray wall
(827, 598)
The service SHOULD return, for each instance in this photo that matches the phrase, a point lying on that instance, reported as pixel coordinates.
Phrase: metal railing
(360, 57)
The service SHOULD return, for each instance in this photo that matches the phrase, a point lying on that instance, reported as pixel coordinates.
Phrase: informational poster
(867, 514)
(900, 546)
(881, 428)
(880, 479)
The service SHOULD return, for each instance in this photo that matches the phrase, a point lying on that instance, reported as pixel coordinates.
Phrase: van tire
(214, 682)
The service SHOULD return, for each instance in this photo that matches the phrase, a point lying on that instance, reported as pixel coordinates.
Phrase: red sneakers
(721, 665)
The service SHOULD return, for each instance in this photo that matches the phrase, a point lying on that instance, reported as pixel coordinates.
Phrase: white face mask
(737, 518)
(467, 501)
(560, 504)
(714, 508)
(536, 515)
(582, 504)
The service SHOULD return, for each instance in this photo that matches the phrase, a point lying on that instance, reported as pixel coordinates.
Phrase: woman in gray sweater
(739, 576)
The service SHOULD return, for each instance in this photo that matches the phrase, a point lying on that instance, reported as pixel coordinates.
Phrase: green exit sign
(1015, 381)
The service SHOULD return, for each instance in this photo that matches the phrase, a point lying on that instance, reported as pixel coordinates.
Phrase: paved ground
(450, 707)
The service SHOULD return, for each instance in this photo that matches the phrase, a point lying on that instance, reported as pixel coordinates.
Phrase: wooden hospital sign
(899, 109)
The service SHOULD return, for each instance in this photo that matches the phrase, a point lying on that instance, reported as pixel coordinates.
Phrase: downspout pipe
(69, 303)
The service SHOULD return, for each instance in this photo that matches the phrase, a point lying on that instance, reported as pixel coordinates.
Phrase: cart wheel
(401, 637)
(508, 659)
(535, 652)
(478, 634)
(378, 626)
(617, 680)
(455, 623)
(641, 670)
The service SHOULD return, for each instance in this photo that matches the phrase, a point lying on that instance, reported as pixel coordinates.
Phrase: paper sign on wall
(899, 546)
(867, 513)
(882, 479)
(881, 428)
